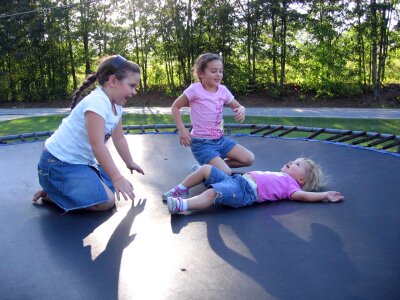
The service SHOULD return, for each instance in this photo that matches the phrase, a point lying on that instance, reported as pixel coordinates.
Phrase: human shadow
(81, 276)
(283, 264)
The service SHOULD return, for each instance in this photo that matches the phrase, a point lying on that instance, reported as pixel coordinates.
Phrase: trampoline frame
(373, 140)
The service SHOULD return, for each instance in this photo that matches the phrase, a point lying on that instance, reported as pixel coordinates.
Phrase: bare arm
(122, 147)
(95, 129)
(184, 134)
(238, 109)
(331, 196)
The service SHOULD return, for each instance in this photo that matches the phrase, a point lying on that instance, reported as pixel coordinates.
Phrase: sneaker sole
(170, 205)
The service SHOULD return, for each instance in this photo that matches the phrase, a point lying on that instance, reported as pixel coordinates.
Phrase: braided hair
(110, 65)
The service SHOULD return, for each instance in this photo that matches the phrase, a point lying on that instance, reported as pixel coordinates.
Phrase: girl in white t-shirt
(76, 169)
(206, 99)
(299, 180)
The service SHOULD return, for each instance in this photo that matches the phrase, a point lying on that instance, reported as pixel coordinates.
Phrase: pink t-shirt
(272, 186)
(206, 110)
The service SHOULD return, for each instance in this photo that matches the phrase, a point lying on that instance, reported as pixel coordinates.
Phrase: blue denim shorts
(205, 150)
(72, 186)
(234, 191)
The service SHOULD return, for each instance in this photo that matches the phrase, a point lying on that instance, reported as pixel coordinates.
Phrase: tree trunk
(374, 54)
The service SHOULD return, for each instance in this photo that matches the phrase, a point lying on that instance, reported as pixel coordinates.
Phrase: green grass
(50, 123)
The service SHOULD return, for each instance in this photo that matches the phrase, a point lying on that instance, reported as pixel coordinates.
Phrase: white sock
(184, 205)
(182, 187)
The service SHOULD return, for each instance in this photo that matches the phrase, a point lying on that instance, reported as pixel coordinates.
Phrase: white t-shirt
(70, 142)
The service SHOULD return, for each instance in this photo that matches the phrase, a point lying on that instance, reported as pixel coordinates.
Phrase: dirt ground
(390, 99)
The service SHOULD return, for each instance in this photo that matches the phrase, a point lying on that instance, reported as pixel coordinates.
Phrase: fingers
(185, 141)
(240, 114)
(124, 188)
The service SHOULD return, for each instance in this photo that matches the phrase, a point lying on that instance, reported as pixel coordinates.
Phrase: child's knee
(206, 170)
(248, 160)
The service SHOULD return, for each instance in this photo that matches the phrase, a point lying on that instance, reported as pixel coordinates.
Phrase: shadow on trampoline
(285, 250)
(285, 264)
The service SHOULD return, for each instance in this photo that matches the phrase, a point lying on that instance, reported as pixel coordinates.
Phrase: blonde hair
(315, 178)
(201, 63)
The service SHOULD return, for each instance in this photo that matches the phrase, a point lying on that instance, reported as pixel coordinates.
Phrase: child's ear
(112, 80)
(301, 181)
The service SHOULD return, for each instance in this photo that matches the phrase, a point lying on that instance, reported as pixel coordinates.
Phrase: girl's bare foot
(41, 194)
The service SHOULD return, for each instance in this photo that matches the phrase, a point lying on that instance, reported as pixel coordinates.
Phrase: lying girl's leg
(202, 201)
(239, 156)
(195, 178)
(177, 204)
(221, 164)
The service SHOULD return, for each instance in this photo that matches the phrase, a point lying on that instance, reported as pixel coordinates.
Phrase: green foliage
(325, 46)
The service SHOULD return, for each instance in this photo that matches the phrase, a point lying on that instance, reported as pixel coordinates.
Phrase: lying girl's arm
(331, 196)
(122, 147)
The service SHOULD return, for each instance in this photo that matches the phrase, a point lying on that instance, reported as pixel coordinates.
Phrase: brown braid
(89, 81)
(104, 71)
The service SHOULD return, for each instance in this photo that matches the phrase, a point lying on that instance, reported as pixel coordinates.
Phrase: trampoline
(285, 250)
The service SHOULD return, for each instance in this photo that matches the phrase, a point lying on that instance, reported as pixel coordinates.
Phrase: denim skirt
(72, 186)
(204, 150)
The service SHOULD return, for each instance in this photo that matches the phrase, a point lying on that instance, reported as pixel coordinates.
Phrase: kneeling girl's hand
(135, 167)
(124, 187)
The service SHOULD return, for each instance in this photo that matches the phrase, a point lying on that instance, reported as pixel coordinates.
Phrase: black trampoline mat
(284, 250)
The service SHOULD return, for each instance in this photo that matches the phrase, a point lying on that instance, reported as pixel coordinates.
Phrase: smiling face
(124, 89)
(297, 170)
(212, 74)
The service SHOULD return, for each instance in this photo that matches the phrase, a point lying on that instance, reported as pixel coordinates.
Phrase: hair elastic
(117, 62)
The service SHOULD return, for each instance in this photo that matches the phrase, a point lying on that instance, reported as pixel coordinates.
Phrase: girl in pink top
(206, 100)
(299, 180)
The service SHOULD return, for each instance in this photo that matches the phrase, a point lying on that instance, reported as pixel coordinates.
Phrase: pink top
(272, 186)
(206, 110)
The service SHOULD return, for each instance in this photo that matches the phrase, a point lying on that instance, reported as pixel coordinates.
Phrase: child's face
(212, 75)
(296, 169)
(125, 88)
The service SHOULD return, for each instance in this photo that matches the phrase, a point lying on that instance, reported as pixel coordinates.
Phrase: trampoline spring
(260, 129)
(331, 138)
(142, 129)
(272, 130)
(391, 145)
(322, 130)
(288, 131)
(353, 136)
(381, 141)
(366, 139)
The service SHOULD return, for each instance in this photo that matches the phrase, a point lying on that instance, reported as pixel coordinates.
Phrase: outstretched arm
(122, 147)
(184, 134)
(330, 196)
(95, 129)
